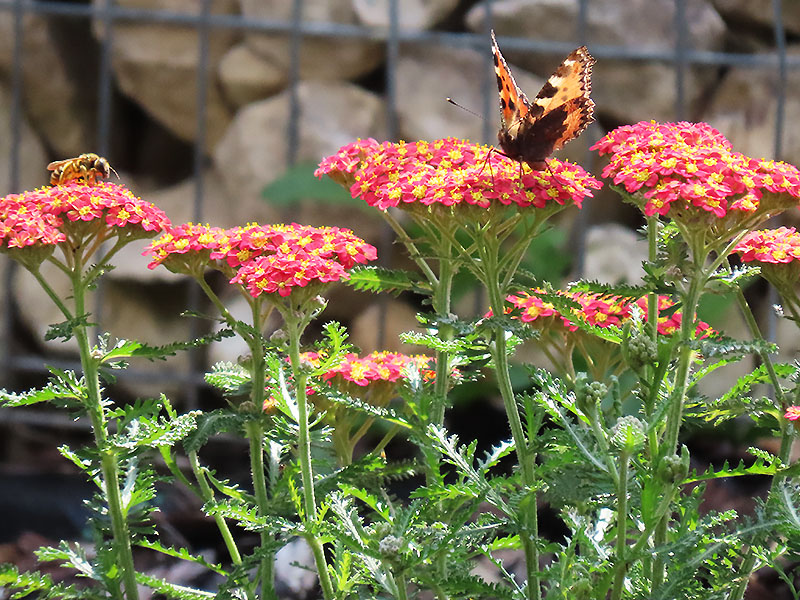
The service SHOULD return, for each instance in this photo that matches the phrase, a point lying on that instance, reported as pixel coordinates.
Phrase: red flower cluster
(599, 310)
(680, 165)
(43, 216)
(451, 172)
(777, 246)
(379, 366)
(264, 258)
(792, 413)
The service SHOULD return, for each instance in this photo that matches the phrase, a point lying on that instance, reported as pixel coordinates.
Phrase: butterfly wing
(532, 131)
(567, 92)
(514, 104)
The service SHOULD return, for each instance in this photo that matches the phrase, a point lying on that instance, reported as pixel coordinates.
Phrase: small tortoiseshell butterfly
(531, 131)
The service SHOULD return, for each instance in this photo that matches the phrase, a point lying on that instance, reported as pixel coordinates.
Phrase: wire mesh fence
(107, 15)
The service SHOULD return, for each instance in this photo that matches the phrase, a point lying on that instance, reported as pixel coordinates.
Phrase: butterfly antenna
(472, 112)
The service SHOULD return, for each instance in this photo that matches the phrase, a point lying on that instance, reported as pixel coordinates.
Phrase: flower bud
(589, 394)
(390, 545)
(628, 435)
(673, 469)
(642, 350)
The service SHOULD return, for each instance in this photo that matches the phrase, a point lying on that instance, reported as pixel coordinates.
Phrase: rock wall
(341, 96)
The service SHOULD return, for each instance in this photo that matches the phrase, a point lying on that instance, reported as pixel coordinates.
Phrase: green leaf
(130, 349)
(65, 330)
(299, 183)
(181, 553)
(212, 423)
(71, 556)
(379, 279)
(171, 590)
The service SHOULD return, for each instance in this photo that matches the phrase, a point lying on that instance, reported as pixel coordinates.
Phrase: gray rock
(32, 159)
(625, 91)
(253, 151)
(245, 76)
(156, 65)
(327, 58)
(416, 15)
(744, 109)
(54, 101)
(748, 14)
(614, 254)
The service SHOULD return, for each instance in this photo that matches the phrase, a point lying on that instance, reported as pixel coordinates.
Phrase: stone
(414, 15)
(56, 103)
(156, 64)
(744, 108)
(396, 317)
(321, 57)
(750, 15)
(32, 160)
(624, 90)
(427, 76)
(614, 254)
(245, 76)
(247, 162)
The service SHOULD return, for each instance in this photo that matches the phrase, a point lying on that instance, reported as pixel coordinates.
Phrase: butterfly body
(531, 131)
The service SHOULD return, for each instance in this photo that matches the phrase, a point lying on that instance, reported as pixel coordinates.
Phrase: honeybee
(88, 168)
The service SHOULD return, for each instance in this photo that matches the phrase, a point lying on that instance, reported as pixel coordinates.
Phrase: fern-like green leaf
(212, 423)
(378, 279)
(181, 553)
(130, 349)
(171, 590)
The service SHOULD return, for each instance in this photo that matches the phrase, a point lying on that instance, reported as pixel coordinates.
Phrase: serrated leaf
(379, 279)
(212, 423)
(181, 553)
(130, 349)
(171, 590)
(65, 330)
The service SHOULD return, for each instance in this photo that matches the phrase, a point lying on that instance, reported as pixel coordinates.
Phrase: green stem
(400, 583)
(207, 494)
(255, 435)
(109, 460)
(686, 356)
(525, 458)
(749, 562)
(621, 561)
(441, 306)
(294, 328)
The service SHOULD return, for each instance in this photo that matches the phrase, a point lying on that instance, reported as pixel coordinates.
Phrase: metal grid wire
(681, 57)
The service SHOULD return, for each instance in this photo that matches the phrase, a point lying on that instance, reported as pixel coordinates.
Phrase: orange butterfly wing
(531, 131)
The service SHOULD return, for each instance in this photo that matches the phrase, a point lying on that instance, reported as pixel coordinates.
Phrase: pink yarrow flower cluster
(264, 258)
(781, 245)
(378, 366)
(451, 172)
(598, 310)
(49, 215)
(675, 166)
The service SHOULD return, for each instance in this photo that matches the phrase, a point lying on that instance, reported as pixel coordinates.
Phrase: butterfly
(531, 131)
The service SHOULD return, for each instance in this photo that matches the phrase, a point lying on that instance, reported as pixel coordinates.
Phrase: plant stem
(441, 306)
(749, 562)
(109, 459)
(621, 562)
(207, 494)
(524, 457)
(294, 329)
(686, 356)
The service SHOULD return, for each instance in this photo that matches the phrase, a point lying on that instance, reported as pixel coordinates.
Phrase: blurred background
(219, 110)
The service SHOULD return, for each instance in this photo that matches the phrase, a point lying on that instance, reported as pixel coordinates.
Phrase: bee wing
(57, 163)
